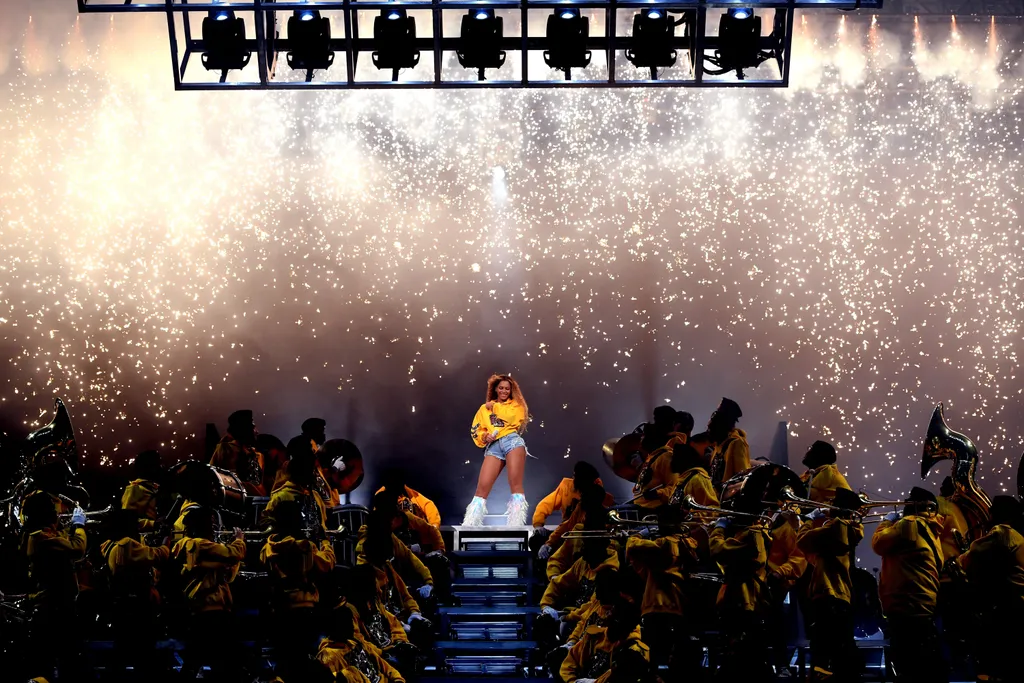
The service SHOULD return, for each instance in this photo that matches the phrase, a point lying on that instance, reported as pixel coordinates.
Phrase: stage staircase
(487, 629)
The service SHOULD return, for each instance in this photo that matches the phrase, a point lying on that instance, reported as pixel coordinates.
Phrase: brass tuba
(942, 443)
(56, 438)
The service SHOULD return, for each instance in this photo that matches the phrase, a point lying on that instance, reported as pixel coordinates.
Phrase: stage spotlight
(739, 35)
(224, 41)
(480, 44)
(651, 42)
(394, 41)
(567, 35)
(309, 34)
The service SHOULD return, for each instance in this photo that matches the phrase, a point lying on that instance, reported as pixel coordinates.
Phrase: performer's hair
(516, 395)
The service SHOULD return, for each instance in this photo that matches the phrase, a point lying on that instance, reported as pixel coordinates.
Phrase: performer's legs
(516, 512)
(489, 471)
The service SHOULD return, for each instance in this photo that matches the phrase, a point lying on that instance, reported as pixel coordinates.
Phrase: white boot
(516, 510)
(475, 512)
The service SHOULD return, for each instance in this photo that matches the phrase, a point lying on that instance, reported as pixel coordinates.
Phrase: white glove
(406, 628)
(568, 645)
(586, 680)
(816, 514)
(544, 552)
(426, 590)
(892, 516)
(78, 517)
(550, 612)
(722, 523)
(415, 548)
(645, 532)
(416, 616)
(433, 553)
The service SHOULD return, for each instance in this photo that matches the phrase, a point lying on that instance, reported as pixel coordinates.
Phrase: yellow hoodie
(574, 587)
(505, 418)
(785, 558)
(131, 564)
(140, 497)
(381, 629)
(828, 546)
(563, 500)
(293, 564)
(952, 520)
(402, 559)
(423, 533)
(422, 506)
(351, 659)
(742, 554)
(286, 490)
(593, 657)
(995, 563)
(179, 524)
(207, 568)
(51, 556)
(823, 481)
(911, 560)
(696, 482)
(662, 563)
(735, 454)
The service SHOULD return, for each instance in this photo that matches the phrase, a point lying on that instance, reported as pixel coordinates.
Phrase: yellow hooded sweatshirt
(131, 564)
(293, 565)
(286, 490)
(402, 559)
(353, 658)
(51, 556)
(785, 558)
(995, 562)
(140, 497)
(506, 418)
(593, 656)
(422, 506)
(207, 568)
(574, 587)
(381, 629)
(827, 547)
(742, 555)
(823, 481)
(911, 561)
(563, 500)
(662, 563)
(952, 520)
(735, 454)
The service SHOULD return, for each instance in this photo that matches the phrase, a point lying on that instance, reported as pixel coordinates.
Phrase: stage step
(487, 658)
(495, 623)
(491, 538)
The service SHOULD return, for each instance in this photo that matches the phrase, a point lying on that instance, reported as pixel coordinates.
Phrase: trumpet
(92, 515)
(257, 534)
(786, 493)
(690, 503)
(868, 503)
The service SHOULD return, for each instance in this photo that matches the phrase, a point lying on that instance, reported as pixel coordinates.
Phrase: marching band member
(274, 457)
(377, 538)
(786, 564)
(295, 564)
(657, 479)
(994, 565)
(953, 520)
(236, 452)
(295, 484)
(314, 434)
(731, 454)
(592, 498)
(498, 428)
(140, 495)
(823, 476)
(351, 659)
(693, 479)
(828, 541)
(422, 538)
(909, 588)
(573, 588)
(566, 495)
(594, 657)
(592, 516)
(955, 599)
(409, 499)
(373, 623)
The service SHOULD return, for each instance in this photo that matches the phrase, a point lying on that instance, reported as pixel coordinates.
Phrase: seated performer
(378, 533)
(295, 483)
(567, 495)
(994, 566)
(294, 564)
(351, 659)
(593, 517)
(140, 495)
(236, 452)
(409, 499)
(207, 568)
(593, 498)
(135, 600)
(573, 589)
(664, 563)
(828, 540)
(596, 656)
(373, 623)
(423, 540)
(823, 476)
(593, 617)
(909, 587)
(740, 548)
(731, 454)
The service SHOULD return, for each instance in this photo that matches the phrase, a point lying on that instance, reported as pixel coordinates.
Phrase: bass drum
(212, 486)
(748, 490)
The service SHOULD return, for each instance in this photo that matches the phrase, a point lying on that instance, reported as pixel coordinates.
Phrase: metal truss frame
(267, 45)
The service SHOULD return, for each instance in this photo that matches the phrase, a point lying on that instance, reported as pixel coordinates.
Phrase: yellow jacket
(423, 533)
(827, 547)
(422, 506)
(563, 499)
(402, 559)
(662, 564)
(995, 563)
(911, 560)
(333, 497)
(742, 555)
(592, 620)
(381, 629)
(696, 482)
(286, 490)
(207, 568)
(354, 658)
(506, 418)
(592, 657)
(233, 456)
(565, 556)
(293, 564)
(131, 564)
(51, 557)
(785, 558)
(952, 520)
(734, 454)
(393, 593)
(823, 481)
(657, 472)
(179, 523)
(140, 497)
(574, 587)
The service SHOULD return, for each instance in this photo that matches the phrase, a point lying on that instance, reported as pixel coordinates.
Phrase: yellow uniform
(402, 559)
(419, 505)
(293, 564)
(356, 662)
(823, 481)
(911, 560)
(333, 498)
(656, 472)
(574, 587)
(563, 558)
(393, 592)
(563, 500)
(696, 482)
(381, 628)
(51, 556)
(662, 564)
(995, 563)
(131, 564)
(244, 461)
(207, 568)
(827, 547)
(179, 524)
(742, 555)
(140, 497)
(592, 657)
(732, 456)
(785, 558)
(286, 490)
(505, 418)
(420, 532)
(952, 520)
(592, 619)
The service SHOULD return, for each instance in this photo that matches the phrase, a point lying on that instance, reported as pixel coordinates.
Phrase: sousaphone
(619, 454)
(942, 443)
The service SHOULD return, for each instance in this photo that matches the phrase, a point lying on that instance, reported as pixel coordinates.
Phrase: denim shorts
(505, 445)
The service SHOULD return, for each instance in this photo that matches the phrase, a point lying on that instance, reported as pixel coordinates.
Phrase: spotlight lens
(481, 14)
(568, 14)
(654, 14)
(221, 16)
(741, 13)
(394, 15)
(306, 16)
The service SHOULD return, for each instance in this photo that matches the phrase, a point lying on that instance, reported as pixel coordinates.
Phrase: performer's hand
(239, 534)
(416, 616)
(722, 523)
(645, 532)
(544, 552)
(415, 548)
(488, 438)
(78, 517)
(489, 405)
(426, 590)
(816, 514)
(892, 517)
(549, 612)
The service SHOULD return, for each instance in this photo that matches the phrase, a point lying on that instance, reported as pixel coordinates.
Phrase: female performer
(497, 428)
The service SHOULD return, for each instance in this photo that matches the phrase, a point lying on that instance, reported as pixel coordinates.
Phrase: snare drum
(212, 486)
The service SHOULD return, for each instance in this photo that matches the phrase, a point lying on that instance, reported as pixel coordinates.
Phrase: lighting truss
(693, 41)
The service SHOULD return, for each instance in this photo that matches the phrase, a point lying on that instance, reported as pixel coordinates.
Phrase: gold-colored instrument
(90, 515)
(691, 504)
(942, 443)
(619, 455)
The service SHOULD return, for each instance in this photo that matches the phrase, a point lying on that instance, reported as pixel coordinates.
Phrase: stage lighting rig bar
(672, 43)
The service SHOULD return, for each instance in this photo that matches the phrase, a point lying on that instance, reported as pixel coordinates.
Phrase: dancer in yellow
(498, 428)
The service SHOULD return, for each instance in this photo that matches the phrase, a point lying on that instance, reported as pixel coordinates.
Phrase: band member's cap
(240, 418)
(313, 424)
(847, 500)
(665, 415)
(729, 408)
(820, 453)
(920, 495)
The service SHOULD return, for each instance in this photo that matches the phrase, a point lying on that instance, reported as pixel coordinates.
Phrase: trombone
(690, 503)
